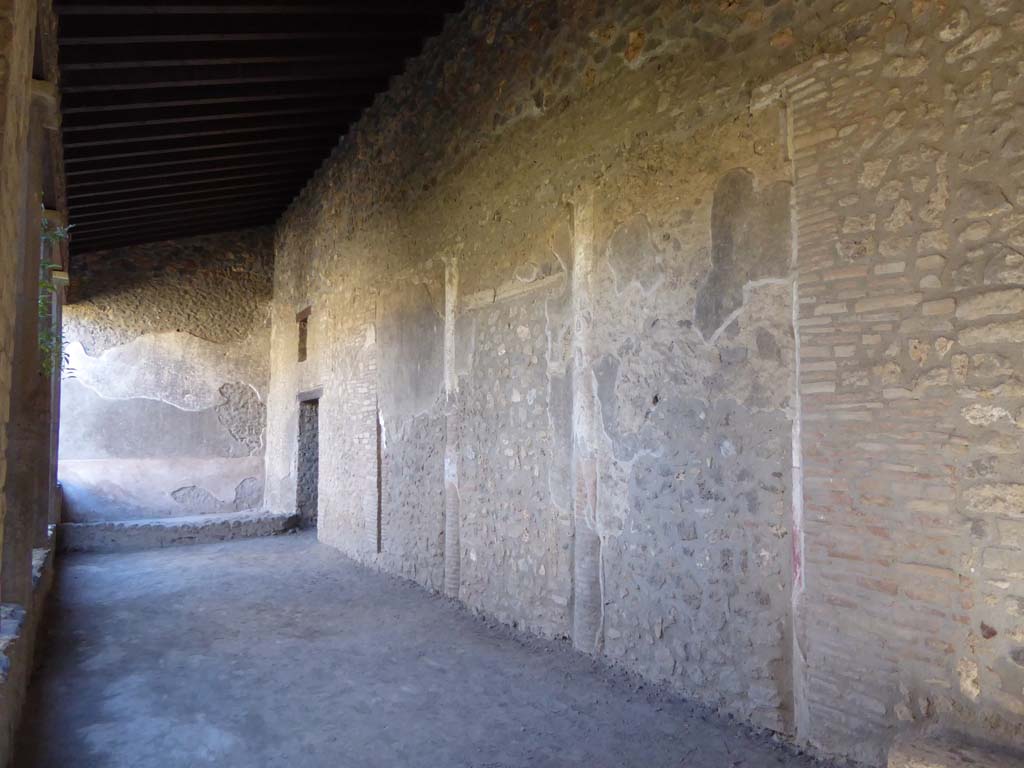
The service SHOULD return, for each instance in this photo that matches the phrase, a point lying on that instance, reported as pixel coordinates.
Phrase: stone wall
(163, 410)
(686, 331)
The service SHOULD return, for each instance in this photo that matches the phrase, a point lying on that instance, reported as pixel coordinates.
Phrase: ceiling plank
(262, 185)
(215, 172)
(102, 218)
(120, 104)
(339, 72)
(75, 195)
(108, 137)
(213, 198)
(136, 63)
(99, 168)
(348, 8)
(129, 228)
(176, 117)
(155, 236)
(84, 156)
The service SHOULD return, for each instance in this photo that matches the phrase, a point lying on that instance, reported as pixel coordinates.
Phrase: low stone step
(127, 535)
(941, 748)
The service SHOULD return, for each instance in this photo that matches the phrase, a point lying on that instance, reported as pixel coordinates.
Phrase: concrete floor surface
(281, 652)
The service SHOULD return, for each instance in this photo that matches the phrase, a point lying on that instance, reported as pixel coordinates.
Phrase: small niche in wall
(302, 318)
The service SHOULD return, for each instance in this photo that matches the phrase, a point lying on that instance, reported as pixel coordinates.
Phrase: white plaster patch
(176, 368)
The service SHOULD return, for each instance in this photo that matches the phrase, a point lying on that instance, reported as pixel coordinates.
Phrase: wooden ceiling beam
(143, 214)
(213, 163)
(119, 228)
(234, 189)
(337, 69)
(120, 138)
(182, 117)
(225, 53)
(139, 237)
(119, 104)
(84, 156)
(214, 62)
(348, 8)
(201, 174)
(217, 197)
(75, 195)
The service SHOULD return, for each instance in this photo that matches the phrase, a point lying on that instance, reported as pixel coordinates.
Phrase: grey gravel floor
(280, 652)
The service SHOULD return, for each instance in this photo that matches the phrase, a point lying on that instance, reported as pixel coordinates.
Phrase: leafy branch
(51, 343)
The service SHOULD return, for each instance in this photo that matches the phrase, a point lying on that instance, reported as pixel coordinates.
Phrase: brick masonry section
(908, 190)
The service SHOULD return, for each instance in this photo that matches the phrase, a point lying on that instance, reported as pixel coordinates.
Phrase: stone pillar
(587, 614)
(45, 127)
(452, 502)
(27, 435)
(55, 254)
(59, 279)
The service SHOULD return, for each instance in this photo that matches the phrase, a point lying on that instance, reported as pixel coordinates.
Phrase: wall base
(127, 535)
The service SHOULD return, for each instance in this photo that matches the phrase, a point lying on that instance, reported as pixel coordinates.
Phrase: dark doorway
(309, 463)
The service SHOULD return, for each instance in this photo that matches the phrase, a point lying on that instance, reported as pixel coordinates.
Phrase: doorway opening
(308, 477)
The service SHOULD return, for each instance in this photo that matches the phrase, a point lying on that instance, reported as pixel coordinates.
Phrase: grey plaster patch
(750, 240)
(465, 339)
(243, 414)
(632, 255)
(248, 494)
(140, 428)
(410, 343)
(560, 243)
(560, 421)
(767, 346)
(606, 375)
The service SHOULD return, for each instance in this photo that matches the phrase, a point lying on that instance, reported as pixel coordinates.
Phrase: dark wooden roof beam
(213, 171)
(204, 197)
(348, 8)
(213, 62)
(171, 232)
(250, 187)
(117, 228)
(154, 53)
(338, 68)
(285, 176)
(86, 155)
(173, 117)
(127, 106)
(100, 168)
(100, 218)
(121, 137)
